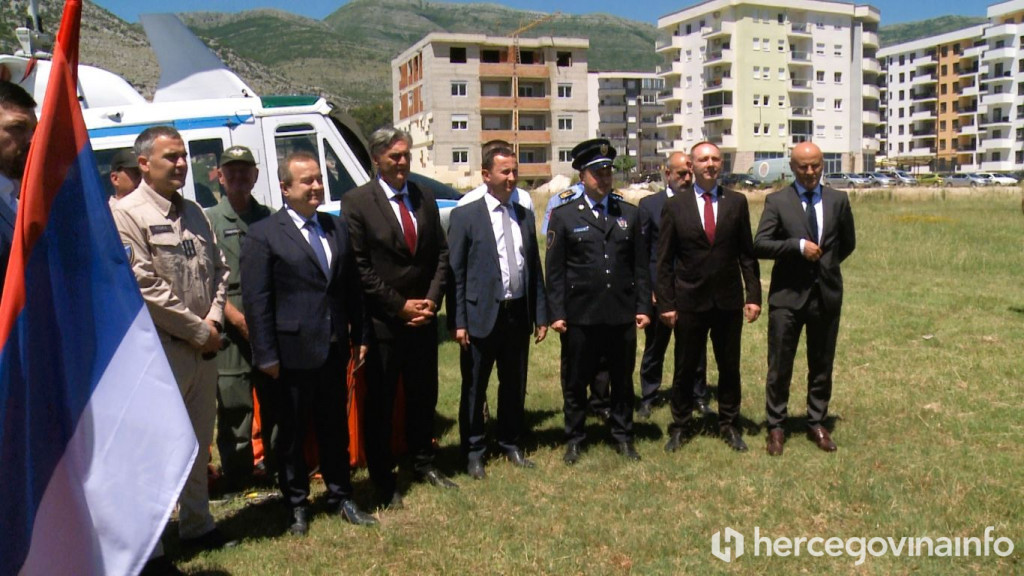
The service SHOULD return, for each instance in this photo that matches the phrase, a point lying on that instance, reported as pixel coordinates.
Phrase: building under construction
(453, 92)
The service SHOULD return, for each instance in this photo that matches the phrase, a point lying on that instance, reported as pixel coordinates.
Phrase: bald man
(807, 229)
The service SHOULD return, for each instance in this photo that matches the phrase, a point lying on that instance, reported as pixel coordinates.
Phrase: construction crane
(516, 61)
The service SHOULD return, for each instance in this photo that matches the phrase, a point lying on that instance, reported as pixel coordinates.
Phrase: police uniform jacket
(176, 261)
(597, 272)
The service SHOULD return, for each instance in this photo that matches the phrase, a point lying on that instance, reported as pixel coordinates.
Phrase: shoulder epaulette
(566, 194)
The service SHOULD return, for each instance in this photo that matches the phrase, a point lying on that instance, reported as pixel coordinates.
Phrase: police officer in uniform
(183, 280)
(599, 294)
(236, 378)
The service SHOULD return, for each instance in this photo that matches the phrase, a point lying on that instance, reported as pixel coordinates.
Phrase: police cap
(596, 153)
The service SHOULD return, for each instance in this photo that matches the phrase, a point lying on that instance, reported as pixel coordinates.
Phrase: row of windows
(457, 55)
(762, 17)
(460, 88)
(461, 122)
(461, 156)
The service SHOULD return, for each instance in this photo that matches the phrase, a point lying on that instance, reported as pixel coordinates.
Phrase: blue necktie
(812, 217)
(317, 246)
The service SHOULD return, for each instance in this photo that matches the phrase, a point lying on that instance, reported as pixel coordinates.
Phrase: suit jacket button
(609, 285)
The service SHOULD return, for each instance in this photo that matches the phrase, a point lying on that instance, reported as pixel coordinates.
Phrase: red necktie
(408, 228)
(709, 218)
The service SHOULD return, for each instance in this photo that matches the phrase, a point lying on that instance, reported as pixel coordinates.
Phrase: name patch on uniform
(161, 229)
(232, 232)
(189, 247)
(581, 229)
(622, 223)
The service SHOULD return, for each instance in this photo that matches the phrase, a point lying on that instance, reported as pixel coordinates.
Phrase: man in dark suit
(499, 301)
(598, 294)
(678, 178)
(807, 228)
(302, 305)
(402, 256)
(705, 262)
(17, 124)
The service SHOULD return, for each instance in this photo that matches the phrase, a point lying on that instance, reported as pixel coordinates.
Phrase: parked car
(997, 179)
(883, 179)
(846, 180)
(905, 178)
(929, 180)
(964, 179)
(742, 181)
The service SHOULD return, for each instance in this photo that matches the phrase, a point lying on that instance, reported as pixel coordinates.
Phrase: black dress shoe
(435, 478)
(160, 566)
(212, 540)
(603, 414)
(628, 450)
(353, 515)
(476, 469)
(645, 411)
(300, 521)
(516, 457)
(732, 437)
(572, 453)
(701, 405)
(392, 501)
(676, 441)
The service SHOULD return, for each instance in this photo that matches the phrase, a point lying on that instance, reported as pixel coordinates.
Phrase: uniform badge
(551, 238)
(161, 229)
(232, 232)
(604, 150)
(580, 229)
(129, 253)
(622, 223)
(190, 247)
(566, 194)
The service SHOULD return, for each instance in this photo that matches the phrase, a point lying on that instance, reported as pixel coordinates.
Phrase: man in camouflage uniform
(236, 377)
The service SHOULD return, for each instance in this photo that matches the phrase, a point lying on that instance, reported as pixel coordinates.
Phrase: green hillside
(908, 31)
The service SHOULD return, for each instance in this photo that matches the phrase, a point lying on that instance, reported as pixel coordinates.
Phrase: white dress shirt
(391, 193)
(593, 206)
(495, 210)
(519, 196)
(700, 202)
(300, 223)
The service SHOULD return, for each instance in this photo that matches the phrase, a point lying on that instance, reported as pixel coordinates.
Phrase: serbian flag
(95, 443)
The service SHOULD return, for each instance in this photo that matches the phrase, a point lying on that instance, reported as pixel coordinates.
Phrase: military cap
(237, 154)
(596, 153)
(124, 159)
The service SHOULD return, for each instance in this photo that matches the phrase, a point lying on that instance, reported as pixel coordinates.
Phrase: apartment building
(453, 92)
(625, 109)
(954, 100)
(758, 77)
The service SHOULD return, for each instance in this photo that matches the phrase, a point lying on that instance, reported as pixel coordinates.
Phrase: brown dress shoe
(776, 438)
(820, 437)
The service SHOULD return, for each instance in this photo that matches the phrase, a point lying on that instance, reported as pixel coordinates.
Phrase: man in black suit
(402, 256)
(302, 304)
(499, 301)
(678, 178)
(598, 293)
(705, 261)
(807, 228)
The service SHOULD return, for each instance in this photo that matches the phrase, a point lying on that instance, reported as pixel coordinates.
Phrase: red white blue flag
(95, 443)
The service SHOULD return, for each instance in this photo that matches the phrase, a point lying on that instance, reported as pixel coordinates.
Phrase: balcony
(995, 122)
(1000, 31)
(509, 103)
(724, 140)
(508, 69)
(675, 119)
(973, 51)
(724, 83)
(871, 91)
(522, 136)
(724, 54)
(722, 29)
(922, 79)
(673, 95)
(922, 151)
(719, 112)
(675, 43)
(800, 112)
(971, 90)
(798, 138)
(676, 69)
(923, 96)
(666, 146)
(870, 38)
(1004, 53)
(1001, 143)
(871, 65)
(1000, 98)
(922, 115)
(797, 58)
(535, 170)
(926, 60)
(800, 85)
(998, 166)
(871, 117)
(799, 29)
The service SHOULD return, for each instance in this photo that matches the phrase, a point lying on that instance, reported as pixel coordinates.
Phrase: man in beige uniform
(183, 279)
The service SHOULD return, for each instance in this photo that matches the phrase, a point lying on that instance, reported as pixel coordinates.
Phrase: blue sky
(893, 11)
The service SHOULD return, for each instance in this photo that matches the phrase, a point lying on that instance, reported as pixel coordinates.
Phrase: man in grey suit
(17, 124)
(499, 301)
(807, 228)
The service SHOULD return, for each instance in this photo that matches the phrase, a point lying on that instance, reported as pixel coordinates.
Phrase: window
(837, 104)
(458, 88)
(757, 129)
(819, 76)
(838, 131)
(460, 122)
(457, 54)
(837, 77)
(819, 48)
(565, 90)
(837, 50)
(527, 57)
(782, 73)
(689, 107)
(490, 56)
(689, 55)
(782, 101)
(339, 180)
(764, 101)
(565, 123)
(820, 102)
(757, 72)
(757, 99)
(903, 77)
(833, 162)
(689, 81)
(757, 44)
(204, 156)
(565, 155)
(820, 130)
(460, 156)
(782, 45)
(782, 18)
(782, 129)
(563, 59)
(689, 133)
(767, 44)
(766, 73)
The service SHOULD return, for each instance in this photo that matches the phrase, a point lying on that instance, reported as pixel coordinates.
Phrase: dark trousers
(409, 353)
(582, 347)
(692, 329)
(600, 388)
(508, 346)
(319, 394)
(784, 327)
(656, 338)
(234, 423)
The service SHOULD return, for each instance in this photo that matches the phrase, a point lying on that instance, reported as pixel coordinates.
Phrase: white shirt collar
(391, 192)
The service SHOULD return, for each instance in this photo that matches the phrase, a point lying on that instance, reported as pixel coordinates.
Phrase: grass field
(928, 414)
